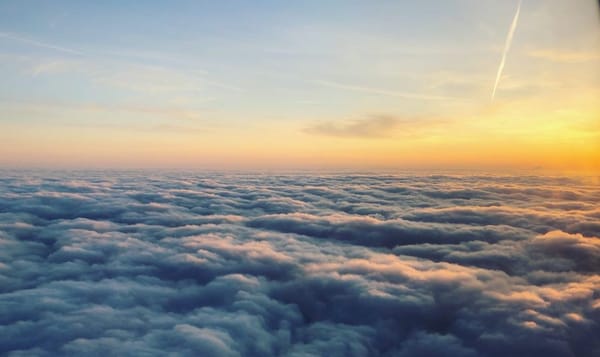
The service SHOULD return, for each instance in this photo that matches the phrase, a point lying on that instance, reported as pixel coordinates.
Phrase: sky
(357, 85)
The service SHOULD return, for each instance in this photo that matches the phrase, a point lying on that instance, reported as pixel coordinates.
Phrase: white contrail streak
(509, 38)
(31, 42)
(391, 93)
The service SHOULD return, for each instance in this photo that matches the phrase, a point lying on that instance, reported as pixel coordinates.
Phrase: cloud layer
(130, 263)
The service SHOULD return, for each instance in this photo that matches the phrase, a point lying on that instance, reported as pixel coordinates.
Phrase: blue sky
(239, 68)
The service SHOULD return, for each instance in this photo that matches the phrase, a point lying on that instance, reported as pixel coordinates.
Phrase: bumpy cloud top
(127, 263)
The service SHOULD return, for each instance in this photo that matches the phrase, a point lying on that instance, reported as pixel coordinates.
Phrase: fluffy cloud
(130, 263)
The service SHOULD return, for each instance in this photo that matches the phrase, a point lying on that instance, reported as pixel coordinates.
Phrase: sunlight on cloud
(223, 265)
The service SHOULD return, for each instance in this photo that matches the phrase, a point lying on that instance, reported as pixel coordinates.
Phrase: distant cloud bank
(128, 263)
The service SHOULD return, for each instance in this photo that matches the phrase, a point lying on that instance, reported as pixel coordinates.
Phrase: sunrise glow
(290, 87)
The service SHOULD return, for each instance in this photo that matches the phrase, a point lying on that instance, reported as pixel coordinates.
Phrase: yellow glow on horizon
(488, 142)
(542, 133)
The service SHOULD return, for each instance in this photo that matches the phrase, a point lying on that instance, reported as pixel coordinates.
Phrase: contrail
(19, 38)
(380, 91)
(511, 33)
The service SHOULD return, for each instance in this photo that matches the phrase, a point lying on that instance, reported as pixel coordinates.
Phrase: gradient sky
(299, 85)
